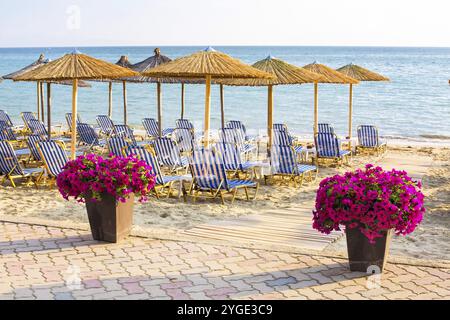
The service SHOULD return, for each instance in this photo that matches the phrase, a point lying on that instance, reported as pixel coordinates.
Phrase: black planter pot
(364, 256)
(110, 220)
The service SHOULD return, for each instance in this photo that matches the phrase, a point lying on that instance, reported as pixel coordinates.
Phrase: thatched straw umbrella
(75, 67)
(209, 64)
(330, 76)
(360, 74)
(152, 62)
(284, 74)
(40, 90)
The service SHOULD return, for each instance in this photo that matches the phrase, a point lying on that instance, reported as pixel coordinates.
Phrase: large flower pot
(364, 256)
(110, 220)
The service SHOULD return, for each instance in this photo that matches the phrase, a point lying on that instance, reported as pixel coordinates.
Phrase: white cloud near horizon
(46, 23)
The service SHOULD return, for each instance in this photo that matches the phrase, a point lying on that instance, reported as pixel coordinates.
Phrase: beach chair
(26, 117)
(326, 128)
(281, 127)
(284, 164)
(32, 142)
(185, 140)
(236, 124)
(368, 139)
(106, 125)
(69, 119)
(232, 160)
(116, 145)
(184, 124)
(283, 138)
(3, 133)
(54, 156)
(122, 130)
(11, 169)
(5, 117)
(37, 127)
(89, 137)
(235, 136)
(210, 178)
(162, 181)
(151, 127)
(328, 146)
(169, 155)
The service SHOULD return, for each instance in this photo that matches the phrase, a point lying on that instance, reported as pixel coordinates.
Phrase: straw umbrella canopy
(330, 76)
(152, 62)
(209, 64)
(360, 74)
(75, 67)
(284, 74)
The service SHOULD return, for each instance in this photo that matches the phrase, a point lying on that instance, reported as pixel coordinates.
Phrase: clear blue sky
(25, 23)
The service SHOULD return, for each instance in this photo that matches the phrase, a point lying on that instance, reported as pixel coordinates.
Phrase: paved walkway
(52, 263)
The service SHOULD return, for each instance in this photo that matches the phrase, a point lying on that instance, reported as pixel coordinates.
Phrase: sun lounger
(326, 128)
(169, 154)
(210, 177)
(235, 136)
(89, 137)
(37, 127)
(162, 181)
(185, 140)
(106, 125)
(11, 169)
(32, 141)
(116, 145)
(233, 162)
(184, 124)
(236, 124)
(54, 156)
(4, 116)
(69, 120)
(26, 117)
(122, 130)
(284, 164)
(368, 139)
(328, 146)
(152, 129)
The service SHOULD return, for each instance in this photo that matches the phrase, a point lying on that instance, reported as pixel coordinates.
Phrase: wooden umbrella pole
(182, 99)
(269, 116)
(207, 109)
(73, 145)
(110, 101)
(125, 117)
(350, 117)
(159, 98)
(222, 105)
(316, 109)
(42, 100)
(49, 108)
(38, 93)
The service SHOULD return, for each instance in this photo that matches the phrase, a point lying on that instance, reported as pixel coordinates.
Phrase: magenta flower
(372, 200)
(90, 176)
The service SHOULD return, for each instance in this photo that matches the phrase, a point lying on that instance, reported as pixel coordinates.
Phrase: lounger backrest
(26, 117)
(168, 152)
(5, 117)
(143, 154)
(184, 139)
(54, 156)
(208, 170)
(3, 134)
(106, 124)
(283, 160)
(37, 127)
(327, 145)
(236, 124)
(282, 138)
(368, 136)
(280, 127)
(151, 127)
(116, 145)
(69, 119)
(87, 134)
(32, 142)
(325, 128)
(184, 124)
(231, 157)
(125, 131)
(8, 159)
(231, 135)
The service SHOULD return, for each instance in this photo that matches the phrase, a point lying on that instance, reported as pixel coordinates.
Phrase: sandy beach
(429, 241)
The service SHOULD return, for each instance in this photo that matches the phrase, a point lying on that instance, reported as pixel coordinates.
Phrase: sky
(50, 23)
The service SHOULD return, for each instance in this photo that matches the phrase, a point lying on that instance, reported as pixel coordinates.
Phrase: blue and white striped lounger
(368, 138)
(54, 157)
(169, 154)
(326, 128)
(11, 169)
(329, 147)
(106, 125)
(116, 145)
(209, 175)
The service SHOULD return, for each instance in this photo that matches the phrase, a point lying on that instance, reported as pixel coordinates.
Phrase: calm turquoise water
(415, 104)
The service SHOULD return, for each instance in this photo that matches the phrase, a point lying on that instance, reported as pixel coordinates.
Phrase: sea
(413, 107)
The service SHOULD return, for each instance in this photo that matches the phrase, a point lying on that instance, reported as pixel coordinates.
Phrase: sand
(429, 241)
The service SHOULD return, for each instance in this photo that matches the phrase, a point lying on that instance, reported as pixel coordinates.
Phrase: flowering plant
(90, 176)
(372, 200)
